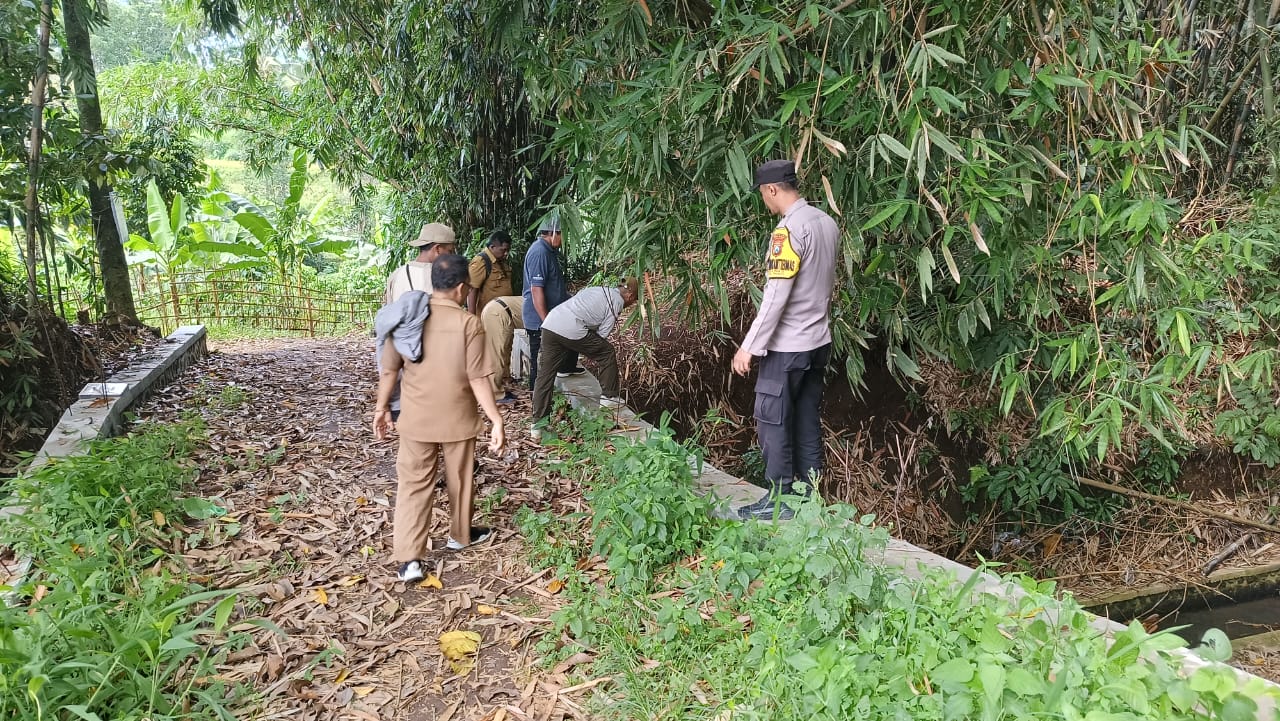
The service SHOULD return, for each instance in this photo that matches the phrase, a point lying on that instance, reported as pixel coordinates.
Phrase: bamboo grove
(1064, 203)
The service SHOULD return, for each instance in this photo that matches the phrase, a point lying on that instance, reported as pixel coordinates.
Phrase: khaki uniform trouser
(499, 329)
(416, 466)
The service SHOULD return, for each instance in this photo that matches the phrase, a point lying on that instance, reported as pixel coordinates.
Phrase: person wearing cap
(500, 318)
(581, 325)
(490, 273)
(544, 289)
(791, 334)
(440, 423)
(434, 240)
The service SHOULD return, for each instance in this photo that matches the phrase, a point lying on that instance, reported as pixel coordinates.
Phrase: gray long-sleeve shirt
(596, 308)
(800, 263)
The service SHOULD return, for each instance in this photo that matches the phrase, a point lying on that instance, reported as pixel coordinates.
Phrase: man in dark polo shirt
(544, 289)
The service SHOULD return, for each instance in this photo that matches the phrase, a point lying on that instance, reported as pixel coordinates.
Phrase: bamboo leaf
(951, 263)
(836, 147)
(831, 196)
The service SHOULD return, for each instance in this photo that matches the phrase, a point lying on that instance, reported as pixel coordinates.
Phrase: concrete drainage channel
(100, 410)
(1244, 603)
(583, 392)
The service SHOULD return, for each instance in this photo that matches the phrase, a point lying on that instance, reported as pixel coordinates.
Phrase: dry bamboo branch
(1234, 546)
(1178, 504)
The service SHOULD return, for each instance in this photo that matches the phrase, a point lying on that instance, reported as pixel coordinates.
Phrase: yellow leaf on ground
(555, 586)
(322, 596)
(431, 581)
(484, 610)
(460, 648)
(362, 501)
(158, 517)
(362, 691)
(342, 675)
(349, 581)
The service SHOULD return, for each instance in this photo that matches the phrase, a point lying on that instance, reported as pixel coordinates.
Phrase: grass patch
(706, 619)
(245, 331)
(108, 624)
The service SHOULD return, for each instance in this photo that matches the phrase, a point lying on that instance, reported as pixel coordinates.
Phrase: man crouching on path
(438, 418)
(579, 326)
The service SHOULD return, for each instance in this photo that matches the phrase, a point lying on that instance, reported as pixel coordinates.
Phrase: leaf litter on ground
(297, 511)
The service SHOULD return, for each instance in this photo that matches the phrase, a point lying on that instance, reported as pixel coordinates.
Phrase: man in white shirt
(433, 241)
(580, 325)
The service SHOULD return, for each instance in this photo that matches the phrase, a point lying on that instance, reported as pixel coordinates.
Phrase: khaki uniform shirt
(437, 404)
(410, 276)
(800, 266)
(499, 282)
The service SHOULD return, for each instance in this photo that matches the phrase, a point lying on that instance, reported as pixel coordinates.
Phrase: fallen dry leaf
(322, 596)
(461, 649)
(555, 586)
(431, 581)
(484, 610)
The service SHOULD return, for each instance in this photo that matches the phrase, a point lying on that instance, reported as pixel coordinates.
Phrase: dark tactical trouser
(535, 347)
(555, 348)
(788, 399)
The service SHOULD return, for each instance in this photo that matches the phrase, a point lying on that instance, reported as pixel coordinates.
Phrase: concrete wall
(100, 411)
(584, 392)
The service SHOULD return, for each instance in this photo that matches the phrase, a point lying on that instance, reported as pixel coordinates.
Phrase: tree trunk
(37, 136)
(115, 269)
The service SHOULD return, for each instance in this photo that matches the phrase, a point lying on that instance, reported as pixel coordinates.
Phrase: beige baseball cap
(433, 233)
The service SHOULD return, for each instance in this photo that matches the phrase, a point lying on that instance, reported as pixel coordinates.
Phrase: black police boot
(770, 506)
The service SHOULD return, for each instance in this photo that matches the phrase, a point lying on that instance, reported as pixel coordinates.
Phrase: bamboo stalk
(38, 86)
(1185, 505)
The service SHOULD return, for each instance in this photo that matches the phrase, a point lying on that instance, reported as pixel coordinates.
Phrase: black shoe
(508, 399)
(577, 371)
(770, 507)
(478, 534)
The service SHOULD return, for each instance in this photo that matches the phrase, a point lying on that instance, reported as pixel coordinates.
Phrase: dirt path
(307, 535)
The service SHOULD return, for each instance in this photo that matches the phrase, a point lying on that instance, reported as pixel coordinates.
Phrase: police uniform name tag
(783, 262)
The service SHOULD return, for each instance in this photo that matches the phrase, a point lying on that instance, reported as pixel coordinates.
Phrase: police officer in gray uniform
(792, 336)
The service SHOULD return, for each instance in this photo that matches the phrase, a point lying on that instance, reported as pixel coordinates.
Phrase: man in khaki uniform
(490, 273)
(438, 419)
(500, 318)
(434, 240)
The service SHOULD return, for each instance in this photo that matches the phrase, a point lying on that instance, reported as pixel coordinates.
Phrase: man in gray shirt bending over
(792, 337)
(580, 325)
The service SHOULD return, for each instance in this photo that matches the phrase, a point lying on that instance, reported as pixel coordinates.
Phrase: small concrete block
(104, 390)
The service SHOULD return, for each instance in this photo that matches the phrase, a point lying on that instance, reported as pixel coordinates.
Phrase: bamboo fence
(189, 298)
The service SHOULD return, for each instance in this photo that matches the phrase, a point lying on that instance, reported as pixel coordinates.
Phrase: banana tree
(277, 238)
(170, 246)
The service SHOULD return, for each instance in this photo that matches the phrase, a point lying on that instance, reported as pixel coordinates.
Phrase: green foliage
(1253, 427)
(137, 31)
(117, 629)
(800, 620)
(162, 156)
(1034, 483)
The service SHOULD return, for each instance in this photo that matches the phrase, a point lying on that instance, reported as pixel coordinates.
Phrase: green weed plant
(107, 624)
(702, 618)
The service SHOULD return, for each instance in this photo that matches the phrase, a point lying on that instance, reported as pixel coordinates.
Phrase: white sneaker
(478, 534)
(410, 572)
(611, 402)
(535, 435)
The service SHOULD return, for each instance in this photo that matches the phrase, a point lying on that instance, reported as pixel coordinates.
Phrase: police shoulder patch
(783, 261)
